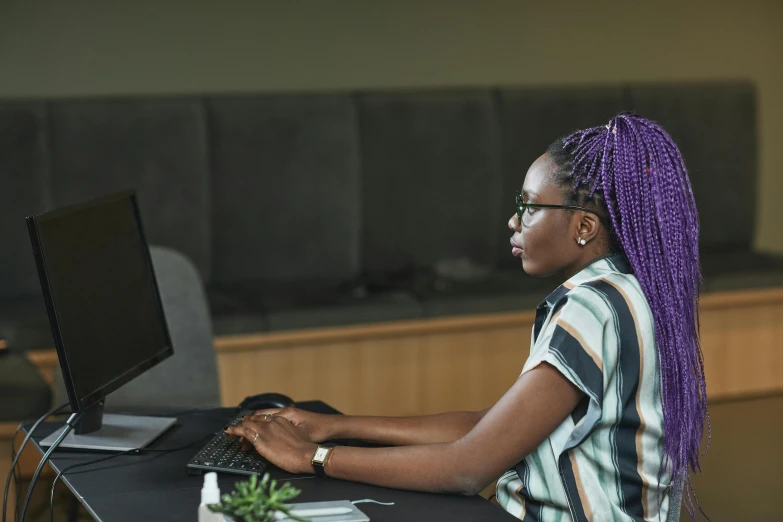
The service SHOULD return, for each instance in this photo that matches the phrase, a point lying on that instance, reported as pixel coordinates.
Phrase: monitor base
(117, 433)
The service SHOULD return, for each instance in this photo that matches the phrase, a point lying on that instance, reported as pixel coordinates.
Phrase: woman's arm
(407, 431)
(391, 431)
(523, 418)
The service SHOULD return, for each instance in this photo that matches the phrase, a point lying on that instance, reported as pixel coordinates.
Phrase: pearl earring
(581, 241)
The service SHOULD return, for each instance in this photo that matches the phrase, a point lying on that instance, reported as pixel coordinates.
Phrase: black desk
(156, 486)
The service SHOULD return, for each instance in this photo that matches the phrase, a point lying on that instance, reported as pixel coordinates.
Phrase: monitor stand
(110, 432)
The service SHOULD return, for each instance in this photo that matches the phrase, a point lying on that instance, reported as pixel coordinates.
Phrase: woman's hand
(317, 426)
(278, 441)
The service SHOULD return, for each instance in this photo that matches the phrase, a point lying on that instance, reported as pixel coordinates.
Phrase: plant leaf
(257, 501)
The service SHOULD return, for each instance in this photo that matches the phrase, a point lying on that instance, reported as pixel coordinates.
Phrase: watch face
(320, 454)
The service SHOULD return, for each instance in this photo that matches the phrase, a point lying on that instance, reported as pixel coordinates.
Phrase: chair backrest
(189, 378)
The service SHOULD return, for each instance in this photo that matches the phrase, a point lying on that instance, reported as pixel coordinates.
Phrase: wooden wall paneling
(389, 375)
(376, 377)
(471, 370)
(713, 347)
(389, 380)
(742, 350)
(435, 365)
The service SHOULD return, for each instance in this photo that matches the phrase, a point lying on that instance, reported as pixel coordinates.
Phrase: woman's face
(543, 240)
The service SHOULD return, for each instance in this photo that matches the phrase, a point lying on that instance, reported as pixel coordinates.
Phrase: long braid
(634, 170)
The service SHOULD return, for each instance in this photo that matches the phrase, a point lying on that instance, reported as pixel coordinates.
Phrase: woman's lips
(515, 249)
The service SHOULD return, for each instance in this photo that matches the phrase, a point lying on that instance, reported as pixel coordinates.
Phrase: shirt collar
(615, 262)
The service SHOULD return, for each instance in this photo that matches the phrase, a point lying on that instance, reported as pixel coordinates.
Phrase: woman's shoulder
(604, 296)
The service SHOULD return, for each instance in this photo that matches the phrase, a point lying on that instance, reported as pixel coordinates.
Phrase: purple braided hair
(633, 169)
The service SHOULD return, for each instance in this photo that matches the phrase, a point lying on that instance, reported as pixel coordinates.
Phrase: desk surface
(156, 486)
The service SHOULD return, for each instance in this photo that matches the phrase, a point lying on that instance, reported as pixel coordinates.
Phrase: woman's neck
(569, 273)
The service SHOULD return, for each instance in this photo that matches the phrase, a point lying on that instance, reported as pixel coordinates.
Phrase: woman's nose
(513, 223)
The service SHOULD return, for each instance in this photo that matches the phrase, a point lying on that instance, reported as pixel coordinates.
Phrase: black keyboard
(222, 454)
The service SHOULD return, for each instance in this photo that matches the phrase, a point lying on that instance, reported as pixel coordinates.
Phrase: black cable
(17, 474)
(134, 451)
(11, 472)
(67, 429)
(17, 471)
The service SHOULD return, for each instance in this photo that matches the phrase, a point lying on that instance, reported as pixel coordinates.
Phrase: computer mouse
(266, 400)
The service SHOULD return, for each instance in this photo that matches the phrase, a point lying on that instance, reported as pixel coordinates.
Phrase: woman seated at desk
(608, 411)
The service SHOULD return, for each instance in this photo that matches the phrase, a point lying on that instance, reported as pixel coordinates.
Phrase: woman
(609, 408)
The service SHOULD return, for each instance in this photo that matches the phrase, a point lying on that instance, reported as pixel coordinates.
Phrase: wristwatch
(322, 453)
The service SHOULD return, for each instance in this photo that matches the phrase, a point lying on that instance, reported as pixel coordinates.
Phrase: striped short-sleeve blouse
(603, 462)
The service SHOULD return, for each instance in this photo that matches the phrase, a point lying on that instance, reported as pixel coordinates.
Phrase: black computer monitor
(104, 308)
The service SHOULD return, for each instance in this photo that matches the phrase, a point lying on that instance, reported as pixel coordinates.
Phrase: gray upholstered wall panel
(531, 120)
(157, 146)
(285, 187)
(431, 184)
(714, 124)
(24, 175)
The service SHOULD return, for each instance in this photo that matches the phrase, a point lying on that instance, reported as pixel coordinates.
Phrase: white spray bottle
(210, 494)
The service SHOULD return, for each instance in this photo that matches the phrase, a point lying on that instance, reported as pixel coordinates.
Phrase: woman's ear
(588, 227)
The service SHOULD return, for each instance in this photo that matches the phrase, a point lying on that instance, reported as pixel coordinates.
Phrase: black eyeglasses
(522, 206)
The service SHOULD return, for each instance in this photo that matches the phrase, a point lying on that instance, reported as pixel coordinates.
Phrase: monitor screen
(101, 294)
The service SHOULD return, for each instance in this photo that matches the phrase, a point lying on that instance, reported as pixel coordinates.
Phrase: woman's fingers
(254, 420)
(250, 432)
(256, 425)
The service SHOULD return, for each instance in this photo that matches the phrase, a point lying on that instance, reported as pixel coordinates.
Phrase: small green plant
(255, 501)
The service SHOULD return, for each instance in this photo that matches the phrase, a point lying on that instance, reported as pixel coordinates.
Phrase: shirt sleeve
(575, 343)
